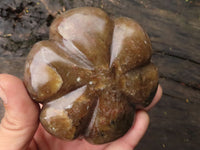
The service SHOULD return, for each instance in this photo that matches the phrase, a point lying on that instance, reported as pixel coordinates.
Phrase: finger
(156, 98)
(21, 114)
(134, 135)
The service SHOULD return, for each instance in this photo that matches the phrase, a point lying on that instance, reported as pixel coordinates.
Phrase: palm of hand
(20, 124)
(45, 141)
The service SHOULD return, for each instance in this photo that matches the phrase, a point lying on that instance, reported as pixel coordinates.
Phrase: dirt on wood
(174, 29)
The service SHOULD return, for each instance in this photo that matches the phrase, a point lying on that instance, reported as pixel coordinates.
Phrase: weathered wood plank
(180, 91)
(168, 130)
(174, 29)
(1, 109)
(173, 26)
(175, 120)
(14, 66)
(178, 69)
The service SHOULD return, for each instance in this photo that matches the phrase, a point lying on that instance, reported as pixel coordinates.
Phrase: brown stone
(91, 75)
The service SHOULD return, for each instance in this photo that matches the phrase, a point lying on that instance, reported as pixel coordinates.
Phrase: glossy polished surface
(91, 75)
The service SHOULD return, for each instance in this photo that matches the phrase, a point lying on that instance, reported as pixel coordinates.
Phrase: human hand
(20, 128)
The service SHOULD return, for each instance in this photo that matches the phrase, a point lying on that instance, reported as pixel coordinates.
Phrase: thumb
(21, 114)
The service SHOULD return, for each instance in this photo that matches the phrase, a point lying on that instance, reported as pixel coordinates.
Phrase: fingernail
(3, 95)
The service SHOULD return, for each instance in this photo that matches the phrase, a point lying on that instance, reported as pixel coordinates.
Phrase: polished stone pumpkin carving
(91, 75)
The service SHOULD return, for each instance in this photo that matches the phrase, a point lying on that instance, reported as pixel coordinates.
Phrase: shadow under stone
(2, 110)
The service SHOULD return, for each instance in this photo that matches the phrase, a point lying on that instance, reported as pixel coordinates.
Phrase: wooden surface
(174, 29)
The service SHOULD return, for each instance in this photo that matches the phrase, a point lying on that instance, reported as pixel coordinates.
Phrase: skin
(20, 128)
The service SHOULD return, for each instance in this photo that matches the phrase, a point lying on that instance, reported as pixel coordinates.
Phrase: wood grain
(174, 29)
